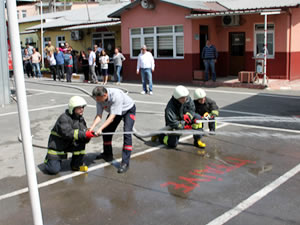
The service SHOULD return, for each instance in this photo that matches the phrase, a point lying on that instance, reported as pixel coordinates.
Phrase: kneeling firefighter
(69, 134)
(206, 108)
(179, 115)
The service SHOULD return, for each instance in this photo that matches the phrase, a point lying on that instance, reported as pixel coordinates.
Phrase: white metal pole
(42, 36)
(23, 112)
(265, 50)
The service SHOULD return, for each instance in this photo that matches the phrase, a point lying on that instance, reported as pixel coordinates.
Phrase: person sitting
(69, 134)
(206, 107)
(180, 115)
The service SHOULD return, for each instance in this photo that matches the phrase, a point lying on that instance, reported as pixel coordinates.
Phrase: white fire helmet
(76, 101)
(180, 91)
(199, 94)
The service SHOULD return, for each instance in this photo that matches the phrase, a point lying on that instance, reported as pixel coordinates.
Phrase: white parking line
(102, 165)
(265, 128)
(33, 110)
(255, 197)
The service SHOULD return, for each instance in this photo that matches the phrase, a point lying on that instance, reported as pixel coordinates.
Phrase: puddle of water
(261, 169)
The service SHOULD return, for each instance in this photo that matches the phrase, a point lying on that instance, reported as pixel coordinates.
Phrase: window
(163, 42)
(24, 13)
(18, 14)
(29, 40)
(260, 38)
(60, 40)
(46, 40)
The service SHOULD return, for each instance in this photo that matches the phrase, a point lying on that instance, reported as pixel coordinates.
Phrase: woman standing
(104, 60)
(52, 62)
(84, 60)
(118, 59)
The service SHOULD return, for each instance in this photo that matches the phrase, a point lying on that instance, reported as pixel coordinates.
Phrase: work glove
(187, 127)
(89, 134)
(206, 116)
(188, 118)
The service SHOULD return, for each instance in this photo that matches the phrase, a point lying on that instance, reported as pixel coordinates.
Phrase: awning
(86, 26)
(229, 13)
(28, 32)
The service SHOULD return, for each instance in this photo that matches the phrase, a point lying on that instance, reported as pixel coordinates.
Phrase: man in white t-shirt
(146, 65)
(120, 107)
(92, 64)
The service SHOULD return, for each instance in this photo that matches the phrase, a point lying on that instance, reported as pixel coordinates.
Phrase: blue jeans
(36, 69)
(210, 63)
(118, 70)
(146, 75)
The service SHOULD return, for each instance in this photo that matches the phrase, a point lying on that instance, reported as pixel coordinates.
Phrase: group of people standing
(31, 60)
(95, 64)
(61, 60)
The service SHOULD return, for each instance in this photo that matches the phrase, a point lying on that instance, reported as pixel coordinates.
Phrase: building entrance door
(236, 52)
(203, 38)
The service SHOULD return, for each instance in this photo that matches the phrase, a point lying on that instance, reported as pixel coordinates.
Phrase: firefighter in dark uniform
(179, 115)
(206, 108)
(69, 134)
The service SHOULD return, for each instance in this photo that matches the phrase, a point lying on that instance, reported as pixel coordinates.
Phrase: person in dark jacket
(69, 134)
(206, 107)
(209, 56)
(179, 115)
(84, 60)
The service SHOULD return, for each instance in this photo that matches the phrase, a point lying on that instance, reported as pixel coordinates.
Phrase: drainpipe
(290, 43)
(42, 36)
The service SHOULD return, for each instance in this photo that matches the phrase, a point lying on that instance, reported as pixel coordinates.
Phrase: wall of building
(219, 35)
(179, 70)
(34, 36)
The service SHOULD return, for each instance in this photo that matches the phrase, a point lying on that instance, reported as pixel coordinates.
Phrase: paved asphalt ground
(242, 180)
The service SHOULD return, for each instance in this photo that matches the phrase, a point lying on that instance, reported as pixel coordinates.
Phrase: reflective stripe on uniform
(55, 134)
(53, 152)
(166, 138)
(197, 126)
(107, 143)
(82, 152)
(76, 132)
(127, 147)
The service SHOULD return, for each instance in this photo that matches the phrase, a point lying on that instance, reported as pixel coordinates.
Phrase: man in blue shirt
(60, 63)
(209, 56)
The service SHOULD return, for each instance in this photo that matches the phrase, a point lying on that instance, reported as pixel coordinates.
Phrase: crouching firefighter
(69, 134)
(206, 108)
(119, 107)
(179, 115)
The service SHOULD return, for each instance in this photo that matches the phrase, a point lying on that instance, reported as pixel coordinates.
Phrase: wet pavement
(162, 186)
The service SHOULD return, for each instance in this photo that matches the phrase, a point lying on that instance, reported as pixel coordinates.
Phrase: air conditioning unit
(76, 35)
(232, 20)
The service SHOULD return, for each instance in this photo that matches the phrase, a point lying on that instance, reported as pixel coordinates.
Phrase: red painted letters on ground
(210, 173)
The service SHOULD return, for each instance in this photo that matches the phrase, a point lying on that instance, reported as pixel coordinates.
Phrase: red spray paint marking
(206, 174)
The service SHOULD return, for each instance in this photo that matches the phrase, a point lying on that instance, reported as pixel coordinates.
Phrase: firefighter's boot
(199, 144)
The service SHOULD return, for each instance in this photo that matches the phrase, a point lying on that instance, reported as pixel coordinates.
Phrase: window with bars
(60, 40)
(260, 40)
(162, 42)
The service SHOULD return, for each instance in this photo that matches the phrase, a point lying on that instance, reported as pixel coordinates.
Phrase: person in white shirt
(52, 62)
(104, 60)
(92, 64)
(146, 65)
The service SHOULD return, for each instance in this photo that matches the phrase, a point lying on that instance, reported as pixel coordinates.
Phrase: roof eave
(117, 14)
